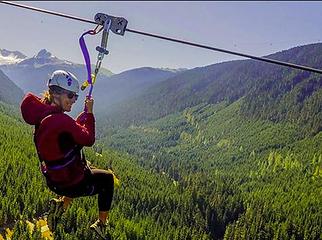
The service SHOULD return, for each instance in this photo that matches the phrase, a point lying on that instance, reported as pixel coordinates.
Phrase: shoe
(100, 228)
(55, 212)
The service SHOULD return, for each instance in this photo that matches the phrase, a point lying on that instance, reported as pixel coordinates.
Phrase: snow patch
(11, 59)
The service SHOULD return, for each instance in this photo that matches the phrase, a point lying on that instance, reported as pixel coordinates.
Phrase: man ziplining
(59, 140)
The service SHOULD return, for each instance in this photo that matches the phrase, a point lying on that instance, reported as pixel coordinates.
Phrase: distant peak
(7, 53)
(43, 53)
(11, 57)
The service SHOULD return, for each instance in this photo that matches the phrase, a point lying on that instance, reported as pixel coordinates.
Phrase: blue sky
(257, 28)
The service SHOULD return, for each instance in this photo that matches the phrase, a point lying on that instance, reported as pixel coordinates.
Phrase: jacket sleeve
(81, 118)
(83, 134)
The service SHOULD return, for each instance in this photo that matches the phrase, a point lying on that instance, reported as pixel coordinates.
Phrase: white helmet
(65, 80)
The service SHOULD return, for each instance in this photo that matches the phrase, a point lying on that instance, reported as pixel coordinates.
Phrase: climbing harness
(106, 23)
(71, 167)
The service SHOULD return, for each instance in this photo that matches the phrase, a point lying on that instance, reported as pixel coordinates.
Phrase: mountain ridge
(227, 81)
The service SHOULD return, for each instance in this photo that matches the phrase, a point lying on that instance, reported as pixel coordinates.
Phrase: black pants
(96, 181)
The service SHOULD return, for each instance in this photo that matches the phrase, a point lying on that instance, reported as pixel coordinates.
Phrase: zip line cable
(292, 65)
(48, 12)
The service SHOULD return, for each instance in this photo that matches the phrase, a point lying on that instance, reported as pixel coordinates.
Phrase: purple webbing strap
(87, 61)
(86, 55)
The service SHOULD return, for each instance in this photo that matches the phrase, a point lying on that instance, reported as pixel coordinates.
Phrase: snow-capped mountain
(43, 58)
(32, 74)
(11, 57)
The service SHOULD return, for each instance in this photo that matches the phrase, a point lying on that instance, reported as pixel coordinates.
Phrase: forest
(228, 151)
(181, 178)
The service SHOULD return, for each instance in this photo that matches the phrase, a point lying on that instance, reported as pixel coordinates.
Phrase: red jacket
(58, 132)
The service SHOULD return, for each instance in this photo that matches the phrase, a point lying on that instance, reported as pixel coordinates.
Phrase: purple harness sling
(86, 57)
(102, 51)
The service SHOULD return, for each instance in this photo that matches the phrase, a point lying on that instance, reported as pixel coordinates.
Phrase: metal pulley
(117, 25)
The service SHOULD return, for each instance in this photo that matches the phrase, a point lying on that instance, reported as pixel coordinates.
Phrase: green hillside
(228, 151)
(142, 209)
(9, 92)
(272, 92)
(243, 137)
(249, 179)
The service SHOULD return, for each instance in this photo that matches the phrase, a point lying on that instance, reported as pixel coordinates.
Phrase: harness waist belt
(70, 157)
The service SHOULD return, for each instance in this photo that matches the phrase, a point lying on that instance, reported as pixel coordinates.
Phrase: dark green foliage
(147, 206)
(230, 151)
(248, 179)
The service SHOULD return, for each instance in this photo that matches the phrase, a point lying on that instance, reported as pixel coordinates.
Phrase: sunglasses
(71, 95)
